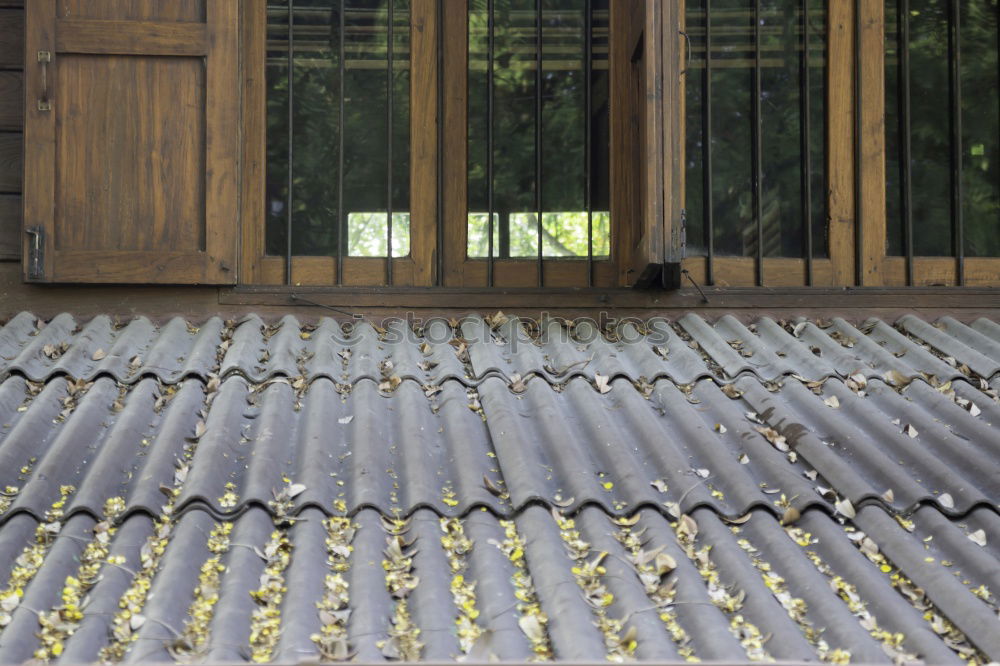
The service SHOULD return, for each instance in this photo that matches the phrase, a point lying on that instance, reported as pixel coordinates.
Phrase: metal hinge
(36, 253)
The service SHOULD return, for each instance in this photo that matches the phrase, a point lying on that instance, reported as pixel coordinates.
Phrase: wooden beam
(840, 144)
(253, 158)
(626, 122)
(222, 142)
(872, 109)
(456, 31)
(778, 271)
(942, 271)
(656, 113)
(672, 112)
(423, 139)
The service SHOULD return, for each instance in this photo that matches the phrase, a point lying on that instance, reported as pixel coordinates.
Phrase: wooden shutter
(131, 141)
(645, 140)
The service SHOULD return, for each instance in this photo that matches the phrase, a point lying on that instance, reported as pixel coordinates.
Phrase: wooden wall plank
(840, 144)
(11, 39)
(10, 162)
(10, 227)
(423, 139)
(11, 101)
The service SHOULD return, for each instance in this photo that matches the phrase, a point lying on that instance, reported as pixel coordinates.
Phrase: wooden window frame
(258, 268)
(837, 269)
(856, 179)
(442, 261)
(460, 270)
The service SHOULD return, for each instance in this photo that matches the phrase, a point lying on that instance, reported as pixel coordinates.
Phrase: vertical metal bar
(905, 134)
(588, 102)
(489, 142)
(758, 207)
(955, 95)
(538, 135)
(291, 141)
(859, 230)
(706, 148)
(439, 257)
(341, 73)
(388, 143)
(805, 110)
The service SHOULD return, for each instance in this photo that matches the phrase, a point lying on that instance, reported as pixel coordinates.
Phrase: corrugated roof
(472, 349)
(664, 590)
(570, 447)
(889, 431)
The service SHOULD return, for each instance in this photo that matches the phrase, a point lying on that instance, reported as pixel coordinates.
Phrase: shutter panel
(131, 141)
(646, 141)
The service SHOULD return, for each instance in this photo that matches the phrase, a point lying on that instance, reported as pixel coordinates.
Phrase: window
(538, 129)
(336, 94)
(942, 131)
(512, 143)
(755, 154)
(483, 135)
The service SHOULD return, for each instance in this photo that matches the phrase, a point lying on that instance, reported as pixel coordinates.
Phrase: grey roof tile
(728, 424)
(684, 351)
(736, 592)
(957, 340)
(570, 445)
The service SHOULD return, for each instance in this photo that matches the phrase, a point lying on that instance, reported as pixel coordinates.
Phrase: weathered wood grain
(133, 172)
(423, 139)
(455, 143)
(840, 145)
(253, 160)
(872, 109)
(11, 101)
(131, 37)
(10, 162)
(11, 38)
(133, 10)
(10, 227)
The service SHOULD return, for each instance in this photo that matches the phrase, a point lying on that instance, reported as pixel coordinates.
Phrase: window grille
(942, 131)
